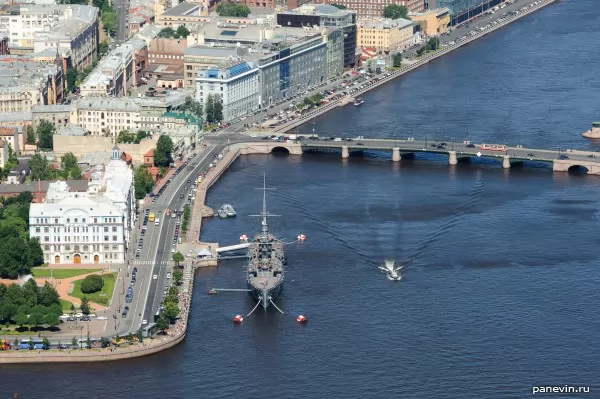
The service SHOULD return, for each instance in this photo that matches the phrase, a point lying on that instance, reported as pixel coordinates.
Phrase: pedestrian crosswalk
(149, 262)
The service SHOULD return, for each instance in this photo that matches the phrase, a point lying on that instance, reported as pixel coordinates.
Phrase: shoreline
(406, 69)
(200, 210)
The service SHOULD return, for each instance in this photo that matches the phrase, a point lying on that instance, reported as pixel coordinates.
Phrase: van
(157, 222)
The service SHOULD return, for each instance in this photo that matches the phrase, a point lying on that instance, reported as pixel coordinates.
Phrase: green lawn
(61, 273)
(66, 305)
(109, 286)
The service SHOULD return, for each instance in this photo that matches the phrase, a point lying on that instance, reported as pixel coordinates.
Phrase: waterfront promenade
(409, 67)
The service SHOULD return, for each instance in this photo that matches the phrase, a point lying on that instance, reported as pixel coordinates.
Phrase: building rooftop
(36, 109)
(42, 186)
(184, 9)
(211, 51)
(71, 130)
(437, 11)
(188, 118)
(385, 23)
(319, 9)
(19, 72)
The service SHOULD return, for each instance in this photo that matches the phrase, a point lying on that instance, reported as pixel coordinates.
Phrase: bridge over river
(562, 160)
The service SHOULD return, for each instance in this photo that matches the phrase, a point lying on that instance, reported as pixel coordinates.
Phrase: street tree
(45, 133)
(209, 109)
(192, 106)
(71, 78)
(85, 305)
(163, 152)
(397, 60)
(51, 320)
(177, 276)
(182, 32)
(171, 311)
(143, 181)
(233, 10)
(167, 32)
(217, 108)
(40, 168)
(74, 341)
(178, 258)
(162, 324)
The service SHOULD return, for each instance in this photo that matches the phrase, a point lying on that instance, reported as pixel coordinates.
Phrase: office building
(374, 9)
(463, 10)
(325, 16)
(432, 22)
(237, 87)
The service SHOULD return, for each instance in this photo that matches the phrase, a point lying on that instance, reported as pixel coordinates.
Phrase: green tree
(47, 295)
(68, 161)
(217, 108)
(88, 341)
(21, 319)
(164, 148)
(140, 336)
(171, 312)
(233, 10)
(103, 47)
(397, 60)
(51, 319)
(192, 106)
(130, 337)
(74, 341)
(30, 135)
(71, 78)
(46, 343)
(340, 6)
(91, 284)
(394, 11)
(103, 342)
(85, 305)
(186, 217)
(143, 181)
(45, 133)
(162, 323)
(8, 311)
(209, 109)
(36, 319)
(178, 258)
(167, 32)
(182, 32)
(433, 44)
(177, 276)
(109, 19)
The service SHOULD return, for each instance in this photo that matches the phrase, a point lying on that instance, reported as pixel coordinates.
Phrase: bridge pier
(396, 157)
(452, 160)
(345, 152)
(506, 162)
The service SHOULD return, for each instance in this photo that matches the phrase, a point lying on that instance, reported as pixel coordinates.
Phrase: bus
(151, 217)
(4, 345)
(493, 147)
(32, 344)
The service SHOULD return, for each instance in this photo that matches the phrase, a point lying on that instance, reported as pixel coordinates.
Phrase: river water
(500, 291)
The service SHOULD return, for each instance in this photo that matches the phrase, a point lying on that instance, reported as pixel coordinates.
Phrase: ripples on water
(500, 291)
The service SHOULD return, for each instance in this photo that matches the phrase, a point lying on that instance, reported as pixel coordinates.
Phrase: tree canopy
(134, 138)
(394, 11)
(92, 283)
(181, 32)
(192, 106)
(214, 109)
(163, 152)
(233, 10)
(45, 134)
(70, 168)
(397, 60)
(18, 253)
(29, 304)
(143, 181)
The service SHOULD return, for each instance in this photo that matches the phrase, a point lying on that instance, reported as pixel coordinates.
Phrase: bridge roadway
(562, 160)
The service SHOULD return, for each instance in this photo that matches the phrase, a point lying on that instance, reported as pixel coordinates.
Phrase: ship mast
(264, 214)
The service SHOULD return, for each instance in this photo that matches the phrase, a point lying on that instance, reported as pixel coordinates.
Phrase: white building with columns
(89, 227)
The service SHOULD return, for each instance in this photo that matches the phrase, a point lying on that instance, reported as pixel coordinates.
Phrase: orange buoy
(238, 319)
(301, 319)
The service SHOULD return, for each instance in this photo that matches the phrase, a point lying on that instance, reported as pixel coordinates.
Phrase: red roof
(149, 153)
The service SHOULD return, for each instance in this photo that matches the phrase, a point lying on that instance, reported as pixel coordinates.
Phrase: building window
(46, 229)
(83, 220)
(114, 238)
(67, 247)
(68, 220)
(75, 220)
(37, 229)
(115, 247)
(105, 238)
(95, 220)
(46, 239)
(55, 221)
(46, 247)
(114, 229)
(106, 229)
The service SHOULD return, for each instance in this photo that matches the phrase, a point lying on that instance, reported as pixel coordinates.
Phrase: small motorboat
(226, 211)
(238, 319)
(359, 101)
(391, 271)
(301, 319)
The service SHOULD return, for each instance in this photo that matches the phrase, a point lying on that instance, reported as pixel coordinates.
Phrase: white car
(154, 277)
(102, 318)
(78, 315)
(173, 250)
(144, 322)
(64, 316)
(168, 275)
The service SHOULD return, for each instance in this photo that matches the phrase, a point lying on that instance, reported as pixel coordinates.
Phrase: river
(500, 291)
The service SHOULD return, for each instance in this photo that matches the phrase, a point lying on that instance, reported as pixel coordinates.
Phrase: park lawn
(66, 305)
(61, 273)
(109, 286)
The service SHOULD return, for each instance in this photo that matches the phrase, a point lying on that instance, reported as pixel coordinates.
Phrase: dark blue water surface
(502, 267)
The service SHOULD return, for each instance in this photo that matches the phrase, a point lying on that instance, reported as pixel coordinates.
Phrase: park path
(65, 285)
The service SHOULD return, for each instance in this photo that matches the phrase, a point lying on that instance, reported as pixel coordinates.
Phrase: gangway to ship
(214, 291)
(233, 247)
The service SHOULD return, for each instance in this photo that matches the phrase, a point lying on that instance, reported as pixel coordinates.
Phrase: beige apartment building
(371, 8)
(432, 22)
(385, 35)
